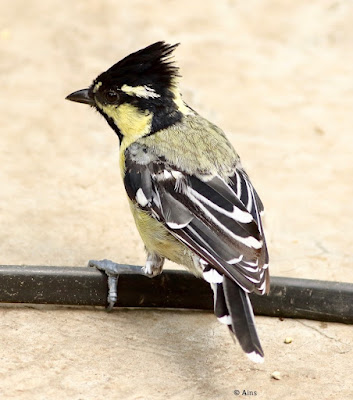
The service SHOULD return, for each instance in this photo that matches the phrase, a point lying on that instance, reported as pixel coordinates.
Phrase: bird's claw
(112, 271)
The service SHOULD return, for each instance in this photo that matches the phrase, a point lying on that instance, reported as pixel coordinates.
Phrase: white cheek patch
(141, 198)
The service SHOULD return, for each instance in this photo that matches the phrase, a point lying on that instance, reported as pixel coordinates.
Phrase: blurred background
(275, 75)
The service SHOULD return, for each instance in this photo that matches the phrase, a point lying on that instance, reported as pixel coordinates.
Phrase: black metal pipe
(288, 297)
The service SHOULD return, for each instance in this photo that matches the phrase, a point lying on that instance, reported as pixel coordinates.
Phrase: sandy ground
(277, 76)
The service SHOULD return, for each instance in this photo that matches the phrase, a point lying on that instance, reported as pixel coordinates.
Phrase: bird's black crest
(148, 66)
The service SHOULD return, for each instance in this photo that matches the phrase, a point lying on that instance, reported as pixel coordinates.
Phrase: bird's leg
(153, 267)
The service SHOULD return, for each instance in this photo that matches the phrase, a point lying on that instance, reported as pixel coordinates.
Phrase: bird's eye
(111, 96)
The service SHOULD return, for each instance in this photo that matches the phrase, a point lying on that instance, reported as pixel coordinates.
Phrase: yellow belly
(158, 240)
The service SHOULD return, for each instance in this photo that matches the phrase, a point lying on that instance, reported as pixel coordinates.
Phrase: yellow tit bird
(191, 199)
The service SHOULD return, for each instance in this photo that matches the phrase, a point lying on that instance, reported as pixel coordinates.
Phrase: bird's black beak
(81, 96)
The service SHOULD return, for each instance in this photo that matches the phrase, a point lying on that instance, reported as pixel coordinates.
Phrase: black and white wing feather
(220, 220)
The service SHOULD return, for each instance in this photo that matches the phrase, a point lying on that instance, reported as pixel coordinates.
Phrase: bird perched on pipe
(192, 201)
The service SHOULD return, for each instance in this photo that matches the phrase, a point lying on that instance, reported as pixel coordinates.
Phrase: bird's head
(139, 94)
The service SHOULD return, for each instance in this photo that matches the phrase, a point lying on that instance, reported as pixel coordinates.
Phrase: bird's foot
(113, 270)
(154, 265)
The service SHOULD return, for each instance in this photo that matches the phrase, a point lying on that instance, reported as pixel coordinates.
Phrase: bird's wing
(220, 221)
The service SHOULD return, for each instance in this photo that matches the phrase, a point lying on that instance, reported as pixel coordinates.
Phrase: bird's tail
(232, 307)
